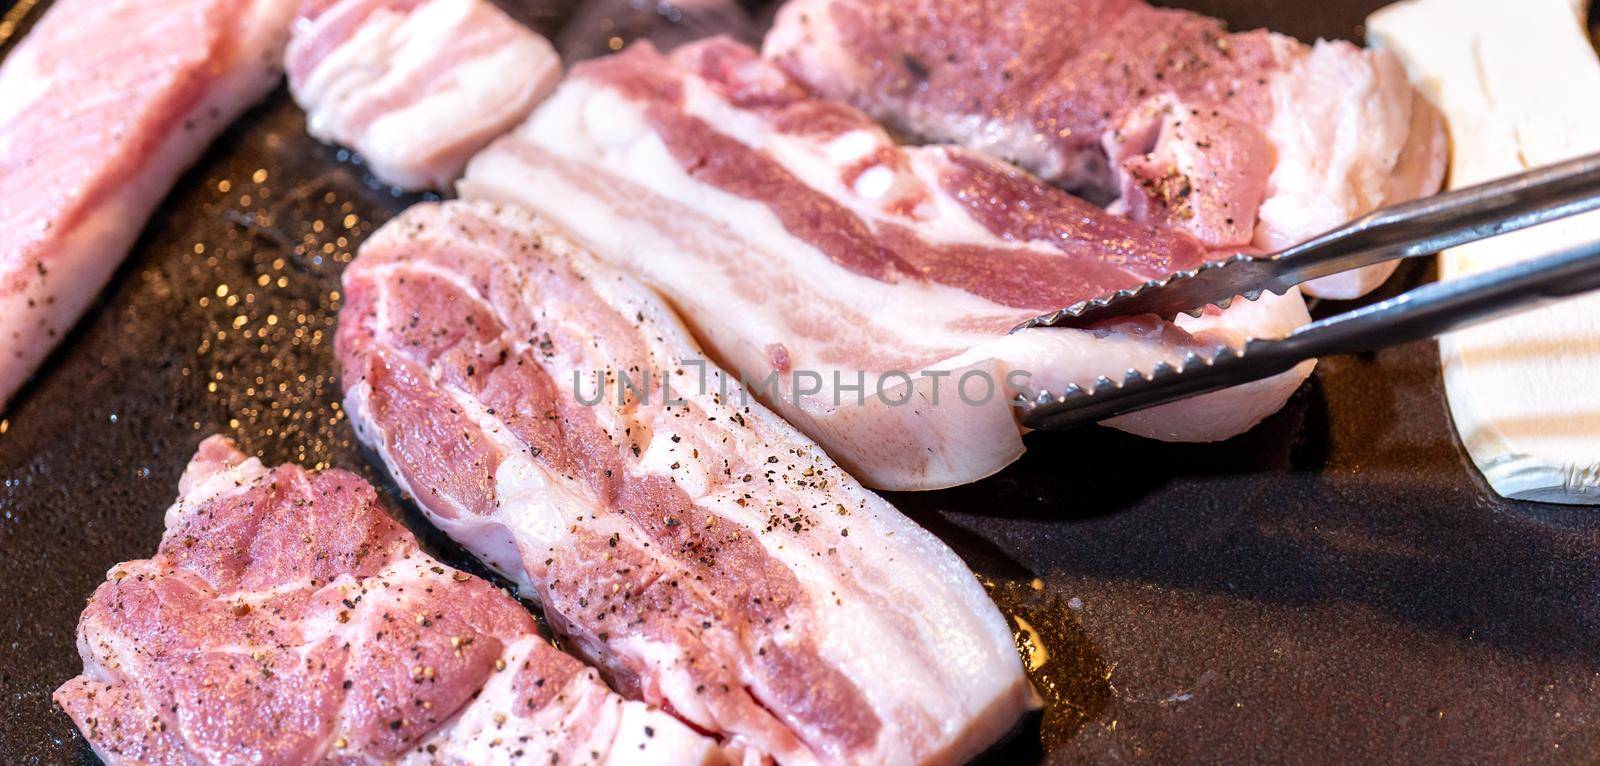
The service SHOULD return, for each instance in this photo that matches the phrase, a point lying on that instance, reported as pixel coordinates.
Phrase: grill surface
(1335, 586)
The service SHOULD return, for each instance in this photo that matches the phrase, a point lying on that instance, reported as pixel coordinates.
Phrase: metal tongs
(1417, 228)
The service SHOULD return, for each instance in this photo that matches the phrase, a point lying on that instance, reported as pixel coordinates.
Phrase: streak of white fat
(882, 546)
(1520, 388)
(947, 220)
(381, 55)
(821, 165)
(670, 345)
(906, 624)
(875, 182)
(922, 567)
(827, 165)
(345, 78)
(818, 164)
(21, 85)
(111, 644)
(640, 156)
(665, 457)
(686, 276)
(594, 116)
(87, 255)
(486, 538)
(229, 481)
(493, 543)
(393, 577)
(356, 400)
(466, 737)
(648, 735)
(851, 147)
(663, 664)
(94, 247)
(489, 90)
(484, 84)
(711, 428)
(479, 732)
(539, 509)
(682, 283)
(665, 335)
(434, 26)
(1341, 116)
(535, 510)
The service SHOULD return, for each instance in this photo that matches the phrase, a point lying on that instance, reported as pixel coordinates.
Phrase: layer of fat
(585, 718)
(920, 638)
(884, 559)
(1517, 83)
(1341, 120)
(905, 441)
(418, 145)
(83, 258)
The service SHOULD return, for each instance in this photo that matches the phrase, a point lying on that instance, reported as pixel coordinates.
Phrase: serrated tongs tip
(1415, 228)
(1132, 382)
(1213, 283)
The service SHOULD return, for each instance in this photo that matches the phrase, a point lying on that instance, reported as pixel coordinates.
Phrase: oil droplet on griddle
(1060, 658)
(1034, 653)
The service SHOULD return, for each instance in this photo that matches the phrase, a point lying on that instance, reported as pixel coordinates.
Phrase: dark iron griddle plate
(1336, 586)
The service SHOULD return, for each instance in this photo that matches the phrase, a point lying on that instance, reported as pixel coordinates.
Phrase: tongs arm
(1422, 313)
(1420, 227)
(1428, 225)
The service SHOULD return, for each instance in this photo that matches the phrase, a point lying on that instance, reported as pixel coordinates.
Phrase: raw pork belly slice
(286, 619)
(798, 240)
(706, 554)
(416, 86)
(102, 105)
(1242, 139)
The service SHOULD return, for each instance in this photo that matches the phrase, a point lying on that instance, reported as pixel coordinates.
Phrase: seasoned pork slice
(286, 619)
(102, 105)
(415, 86)
(707, 555)
(854, 282)
(1240, 138)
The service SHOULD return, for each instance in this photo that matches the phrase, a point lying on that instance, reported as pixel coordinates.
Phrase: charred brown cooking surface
(1334, 586)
